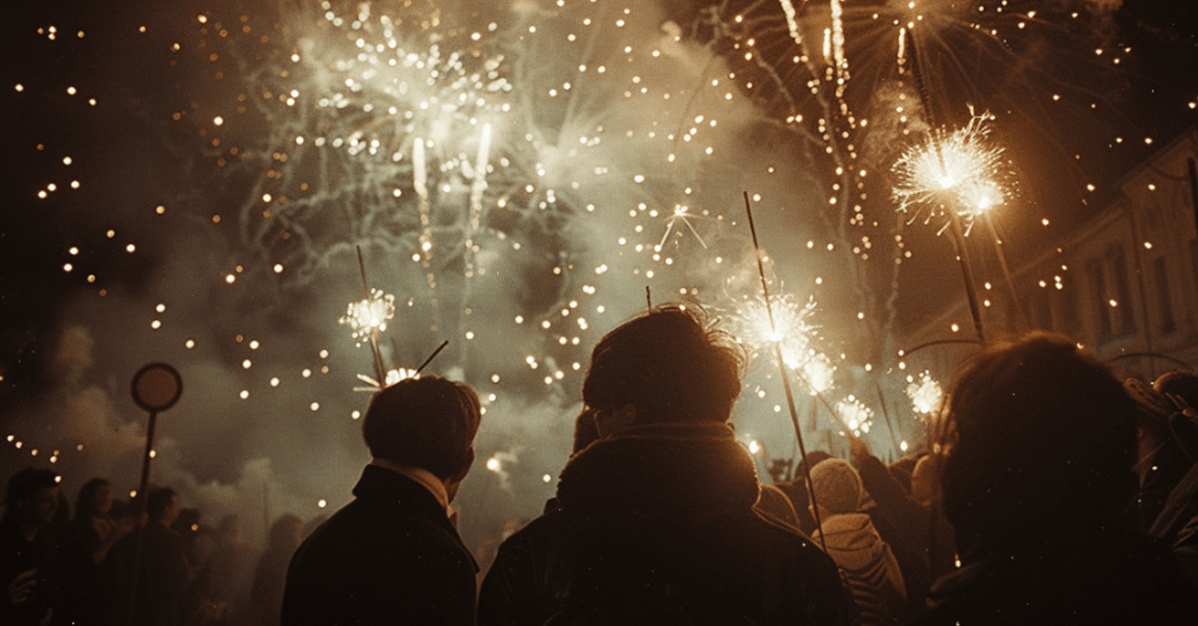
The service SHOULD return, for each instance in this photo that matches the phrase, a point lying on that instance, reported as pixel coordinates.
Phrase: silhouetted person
(1040, 442)
(392, 556)
(222, 586)
(655, 522)
(270, 576)
(866, 562)
(28, 552)
(164, 571)
(912, 522)
(85, 545)
(1161, 462)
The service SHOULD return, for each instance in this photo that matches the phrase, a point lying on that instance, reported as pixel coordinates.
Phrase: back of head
(159, 501)
(1039, 435)
(427, 422)
(86, 501)
(669, 365)
(25, 485)
(837, 486)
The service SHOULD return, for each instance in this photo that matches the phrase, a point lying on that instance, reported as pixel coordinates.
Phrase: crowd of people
(1050, 492)
(102, 566)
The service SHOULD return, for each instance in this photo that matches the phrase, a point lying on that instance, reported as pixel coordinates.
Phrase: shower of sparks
(790, 329)
(393, 376)
(925, 393)
(819, 372)
(855, 415)
(680, 214)
(959, 171)
(368, 316)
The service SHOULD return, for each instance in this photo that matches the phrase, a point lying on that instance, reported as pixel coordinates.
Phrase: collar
(424, 478)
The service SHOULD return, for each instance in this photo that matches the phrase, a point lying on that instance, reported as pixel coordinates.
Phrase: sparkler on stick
(399, 373)
(951, 173)
(368, 317)
(790, 401)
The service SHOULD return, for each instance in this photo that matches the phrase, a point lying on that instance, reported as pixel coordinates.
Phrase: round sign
(157, 387)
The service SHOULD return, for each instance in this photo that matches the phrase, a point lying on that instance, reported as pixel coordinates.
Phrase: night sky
(210, 170)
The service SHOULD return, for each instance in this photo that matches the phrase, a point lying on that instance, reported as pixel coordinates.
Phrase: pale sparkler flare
(925, 393)
(855, 415)
(960, 171)
(369, 315)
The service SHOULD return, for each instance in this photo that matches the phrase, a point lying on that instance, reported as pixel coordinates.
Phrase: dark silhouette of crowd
(1049, 492)
(105, 567)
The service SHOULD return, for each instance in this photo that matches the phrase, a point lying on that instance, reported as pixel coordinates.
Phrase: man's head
(669, 366)
(1039, 435)
(32, 496)
(427, 423)
(162, 505)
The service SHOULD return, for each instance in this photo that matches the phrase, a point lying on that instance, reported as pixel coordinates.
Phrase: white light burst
(369, 315)
(790, 328)
(855, 415)
(959, 171)
(925, 393)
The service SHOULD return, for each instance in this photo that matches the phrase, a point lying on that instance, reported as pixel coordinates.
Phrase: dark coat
(657, 525)
(162, 576)
(1085, 580)
(389, 557)
(18, 555)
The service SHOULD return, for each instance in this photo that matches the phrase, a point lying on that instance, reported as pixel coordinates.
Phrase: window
(1098, 296)
(1164, 297)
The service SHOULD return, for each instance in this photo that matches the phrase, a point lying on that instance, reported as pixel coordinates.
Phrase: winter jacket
(867, 564)
(1087, 578)
(656, 525)
(389, 557)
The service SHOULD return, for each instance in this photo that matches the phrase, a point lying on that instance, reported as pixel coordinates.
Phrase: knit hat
(837, 486)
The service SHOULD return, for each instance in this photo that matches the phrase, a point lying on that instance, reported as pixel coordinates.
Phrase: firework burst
(960, 172)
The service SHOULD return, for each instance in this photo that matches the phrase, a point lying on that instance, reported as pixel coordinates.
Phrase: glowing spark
(680, 214)
(855, 415)
(925, 393)
(791, 328)
(369, 315)
(819, 372)
(957, 171)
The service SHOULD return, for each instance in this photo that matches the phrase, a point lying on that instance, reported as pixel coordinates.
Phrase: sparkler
(764, 324)
(958, 173)
(925, 393)
(790, 401)
(855, 415)
(368, 317)
(966, 180)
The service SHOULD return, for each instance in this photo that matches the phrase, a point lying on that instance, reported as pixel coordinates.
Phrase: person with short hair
(656, 521)
(1040, 439)
(163, 571)
(393, 555)
(28, 548)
